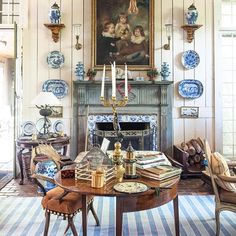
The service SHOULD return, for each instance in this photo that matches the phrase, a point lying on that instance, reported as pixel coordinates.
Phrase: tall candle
(114, 79)
(103, 81)
(126, 81)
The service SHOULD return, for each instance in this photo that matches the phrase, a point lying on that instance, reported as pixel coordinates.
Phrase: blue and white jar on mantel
(165, 70)
(55, 14)
(191, 15)
(79, 71)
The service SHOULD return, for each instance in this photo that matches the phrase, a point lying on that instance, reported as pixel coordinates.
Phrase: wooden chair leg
(47, 215)
(94, 213)
(71, 224)
(217, 215)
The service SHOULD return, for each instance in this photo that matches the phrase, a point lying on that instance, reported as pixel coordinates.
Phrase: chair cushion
(228, 197)
(69, 204)
(220, 166)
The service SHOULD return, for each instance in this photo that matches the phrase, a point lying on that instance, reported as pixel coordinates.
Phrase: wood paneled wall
(37, 43)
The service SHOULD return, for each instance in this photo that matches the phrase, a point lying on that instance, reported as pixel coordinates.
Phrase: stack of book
(160, 172)
(150, 160)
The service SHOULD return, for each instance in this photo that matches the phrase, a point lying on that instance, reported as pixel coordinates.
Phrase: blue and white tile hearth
(190, 88)
(55, 59)
(190, 59)
(58, 87)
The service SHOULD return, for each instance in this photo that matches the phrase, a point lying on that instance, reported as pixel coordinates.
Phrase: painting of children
(122, 36)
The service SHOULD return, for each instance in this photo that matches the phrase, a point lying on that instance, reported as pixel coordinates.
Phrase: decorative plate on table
(58, 87)
(58, 126)
(28, 128)
(130, 187)
(190, 59)
(55, 59)
(40, 123)
(190, 88)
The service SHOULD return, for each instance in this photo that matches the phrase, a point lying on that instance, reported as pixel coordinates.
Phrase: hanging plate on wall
(55, 59)
(190, 59)
(190, 88)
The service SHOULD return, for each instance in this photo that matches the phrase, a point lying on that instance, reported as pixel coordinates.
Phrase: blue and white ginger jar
(191, 15)
(55, 14)
(79, 71)
(165, 70)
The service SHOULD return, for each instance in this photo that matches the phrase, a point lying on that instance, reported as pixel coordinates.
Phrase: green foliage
(91, 72)
(152, 73)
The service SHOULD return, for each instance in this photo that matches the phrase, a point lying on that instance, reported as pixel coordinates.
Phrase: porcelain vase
(79, 71)
(55, 14)
(165, 70)
(191, 15)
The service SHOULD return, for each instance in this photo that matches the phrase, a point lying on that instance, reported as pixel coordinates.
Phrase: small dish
(190, 88)
(58, 126)
(28, 128)
(58, 87)
(40, 125)
(55, 59)
(130, 187)
(190, 59)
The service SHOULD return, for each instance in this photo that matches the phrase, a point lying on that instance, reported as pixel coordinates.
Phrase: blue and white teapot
(55, 14)
(191, 15)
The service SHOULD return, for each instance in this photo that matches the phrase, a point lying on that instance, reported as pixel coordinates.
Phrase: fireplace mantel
(146, 97)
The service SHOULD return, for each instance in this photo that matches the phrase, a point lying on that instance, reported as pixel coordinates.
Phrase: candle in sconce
(126, 81)
(103, 81)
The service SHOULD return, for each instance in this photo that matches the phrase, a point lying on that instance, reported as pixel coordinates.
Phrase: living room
(164, 69)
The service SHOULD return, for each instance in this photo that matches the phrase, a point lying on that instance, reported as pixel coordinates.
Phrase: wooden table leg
(119, 216)
(176, 214)
(19, 156)
(84, 214)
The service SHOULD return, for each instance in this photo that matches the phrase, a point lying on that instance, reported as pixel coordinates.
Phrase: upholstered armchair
(57, 201)
(223, 184)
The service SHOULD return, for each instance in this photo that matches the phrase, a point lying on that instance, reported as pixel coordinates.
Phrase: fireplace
(146, 120)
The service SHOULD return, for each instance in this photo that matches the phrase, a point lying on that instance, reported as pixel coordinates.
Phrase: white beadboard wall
(37, 43)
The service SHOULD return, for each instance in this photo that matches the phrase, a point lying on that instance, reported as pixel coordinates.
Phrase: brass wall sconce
(168, 35)
(78, 45)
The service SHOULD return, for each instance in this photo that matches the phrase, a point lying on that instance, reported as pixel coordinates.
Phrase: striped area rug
(24, 216)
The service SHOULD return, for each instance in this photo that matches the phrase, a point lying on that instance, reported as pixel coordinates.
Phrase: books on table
(160, 172)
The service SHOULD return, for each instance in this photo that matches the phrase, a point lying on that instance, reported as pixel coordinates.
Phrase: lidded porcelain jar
(55, 14)
(79, 71)
(191, 15)
(165, 70)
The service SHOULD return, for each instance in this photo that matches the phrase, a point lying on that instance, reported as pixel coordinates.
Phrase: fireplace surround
(146, 99)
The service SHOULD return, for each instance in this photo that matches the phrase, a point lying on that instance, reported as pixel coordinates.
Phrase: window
(9, 11)
(228, 66)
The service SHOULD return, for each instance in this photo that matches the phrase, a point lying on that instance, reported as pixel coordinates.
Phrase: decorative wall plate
(40, 123)
(190, 88)
(55, 59)
(58, 87)
(28, 128)
(190, 59)
(130, 187)
(58, 126)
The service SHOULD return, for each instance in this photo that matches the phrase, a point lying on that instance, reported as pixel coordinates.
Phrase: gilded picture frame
(123, 31)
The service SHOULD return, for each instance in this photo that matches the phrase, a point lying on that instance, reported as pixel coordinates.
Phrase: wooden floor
(186, 186)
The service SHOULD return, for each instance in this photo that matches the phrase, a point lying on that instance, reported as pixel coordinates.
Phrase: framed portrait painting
(123, 32)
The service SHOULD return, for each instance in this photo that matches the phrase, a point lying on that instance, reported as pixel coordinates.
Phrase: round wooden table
(125, 202)
(23, 143)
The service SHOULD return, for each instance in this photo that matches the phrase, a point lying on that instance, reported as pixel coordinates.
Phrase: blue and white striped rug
(24, 216)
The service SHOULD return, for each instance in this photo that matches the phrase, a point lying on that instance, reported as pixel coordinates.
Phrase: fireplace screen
(141, 130)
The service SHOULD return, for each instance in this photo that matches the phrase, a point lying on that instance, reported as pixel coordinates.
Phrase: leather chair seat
(227, 197)
(69, 204)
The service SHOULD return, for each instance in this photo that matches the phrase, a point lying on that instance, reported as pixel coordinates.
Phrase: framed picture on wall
(123, 32)
(57, 112)
(189, 112)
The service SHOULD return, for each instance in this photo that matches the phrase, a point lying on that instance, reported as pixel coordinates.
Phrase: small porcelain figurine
(79, 71)
(165, 70)
(55, 14)
(191, 15)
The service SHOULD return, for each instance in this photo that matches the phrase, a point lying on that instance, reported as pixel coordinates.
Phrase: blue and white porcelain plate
(58, 87)
(58, 126)
(55, 59)
(190, 59)
(28, 128)
(190, 88)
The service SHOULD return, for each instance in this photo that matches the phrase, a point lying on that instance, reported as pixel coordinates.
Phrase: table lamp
(45, 101)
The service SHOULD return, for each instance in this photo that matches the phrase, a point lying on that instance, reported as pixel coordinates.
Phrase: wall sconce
(168, 35)
(78, 45)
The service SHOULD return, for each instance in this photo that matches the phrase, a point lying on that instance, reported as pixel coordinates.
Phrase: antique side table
(125, 202)
(27, 144)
